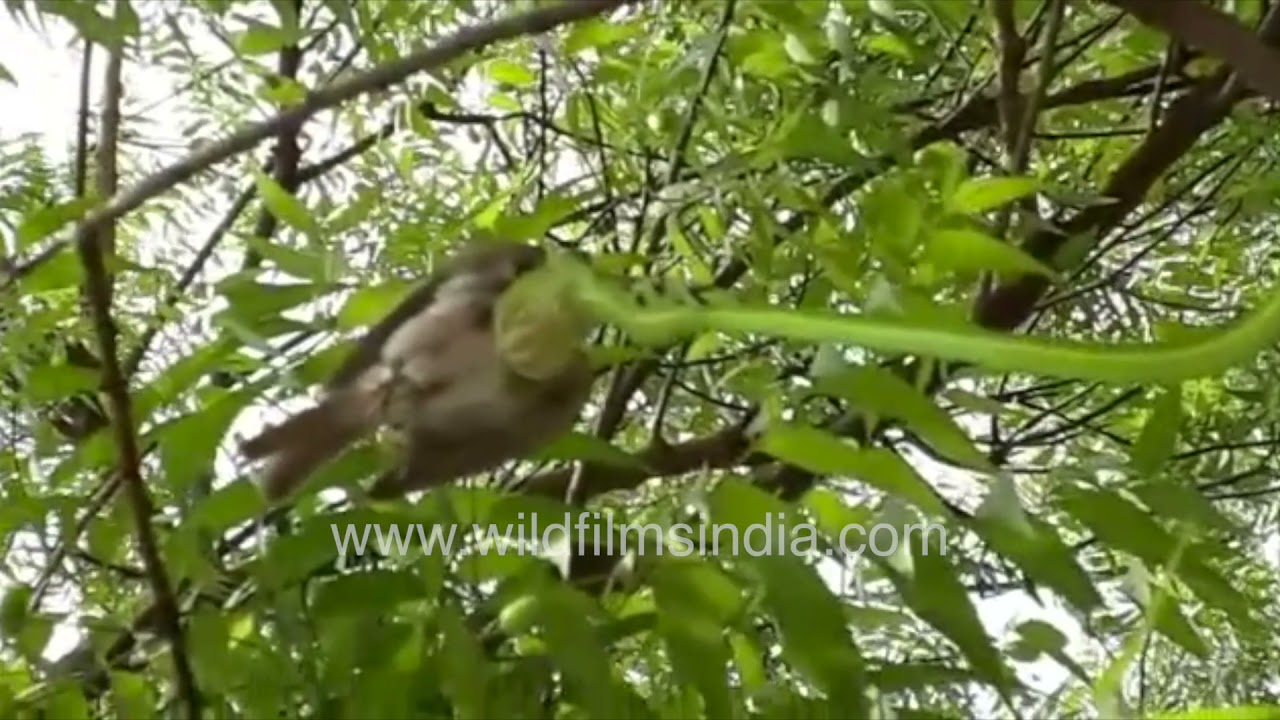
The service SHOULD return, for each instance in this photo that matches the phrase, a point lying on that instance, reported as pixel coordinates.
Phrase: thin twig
(1046, 71)
(92, 247)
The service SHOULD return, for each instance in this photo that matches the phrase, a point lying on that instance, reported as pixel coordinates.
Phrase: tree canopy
(941, 388)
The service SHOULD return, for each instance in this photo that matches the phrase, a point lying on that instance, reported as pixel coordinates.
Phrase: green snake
(1157, 362)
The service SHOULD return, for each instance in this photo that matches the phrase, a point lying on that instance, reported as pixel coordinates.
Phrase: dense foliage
(1063, 170)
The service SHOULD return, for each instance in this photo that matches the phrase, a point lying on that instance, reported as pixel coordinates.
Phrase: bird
(466, 372)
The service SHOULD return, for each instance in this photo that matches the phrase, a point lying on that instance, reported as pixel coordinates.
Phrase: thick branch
(1214, 32)
(722, 449)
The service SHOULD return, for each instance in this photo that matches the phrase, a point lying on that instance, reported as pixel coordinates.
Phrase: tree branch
(1212, 31)
(378, 78)
(92, 247)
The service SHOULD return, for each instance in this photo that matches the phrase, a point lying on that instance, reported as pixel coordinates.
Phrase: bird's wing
(368, 348)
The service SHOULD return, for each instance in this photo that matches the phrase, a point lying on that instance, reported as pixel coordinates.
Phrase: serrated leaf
(366, 591)
(970, 251)
(228, 506)
(810, 619)
(368, 305)
(47, 383)
(587, 447)
(977, 195)
(691, 625)
(880, 392)
(465, 672)
(13, 610)
(820, 452)
(189, 443)
(43, 222)
(285, 205)
(1035, 547)
(62, 271)
(1156, 442)
(261, 39)
(797, 51)
(933, 591)
(511, 73)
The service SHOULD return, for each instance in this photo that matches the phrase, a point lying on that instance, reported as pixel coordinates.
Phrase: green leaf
(301, 264)
(587, 447)
(970, 251)
(1036, 638)
(6, 76)
(698, 588)
(262, 39)
(880, 392)
(511, 73)
(285, 205)
(251, 301)
(747, 658)
(13, 610)
(364, 592)
(61, 271)
(1209, 585)
(368, 305)
(48, 383)
(1175, 501)
(697, 268)
(822, 453)
(932, 590)
(550, 211)
(189, 443)
(797, 51)
(290, 558)
(1119, 523)
(815, 638)
(691, 622)
(130, 696)
(228, 506)
(43, 222)
(597, 33)
(977, 195)
(1169, 619)
(92, 25)
(1159, 436)
(67, 702)
(465, 672)
(573, 641)
(1035, 547)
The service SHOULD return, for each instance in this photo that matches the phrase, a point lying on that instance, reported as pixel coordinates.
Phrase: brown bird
(435, 372)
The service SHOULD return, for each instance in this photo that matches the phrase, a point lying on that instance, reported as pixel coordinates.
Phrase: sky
(44, 102)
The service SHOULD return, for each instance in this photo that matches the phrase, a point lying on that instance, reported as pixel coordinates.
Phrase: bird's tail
(302, 444)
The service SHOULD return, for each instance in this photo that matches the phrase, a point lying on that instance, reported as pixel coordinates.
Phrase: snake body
(1210, 353)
